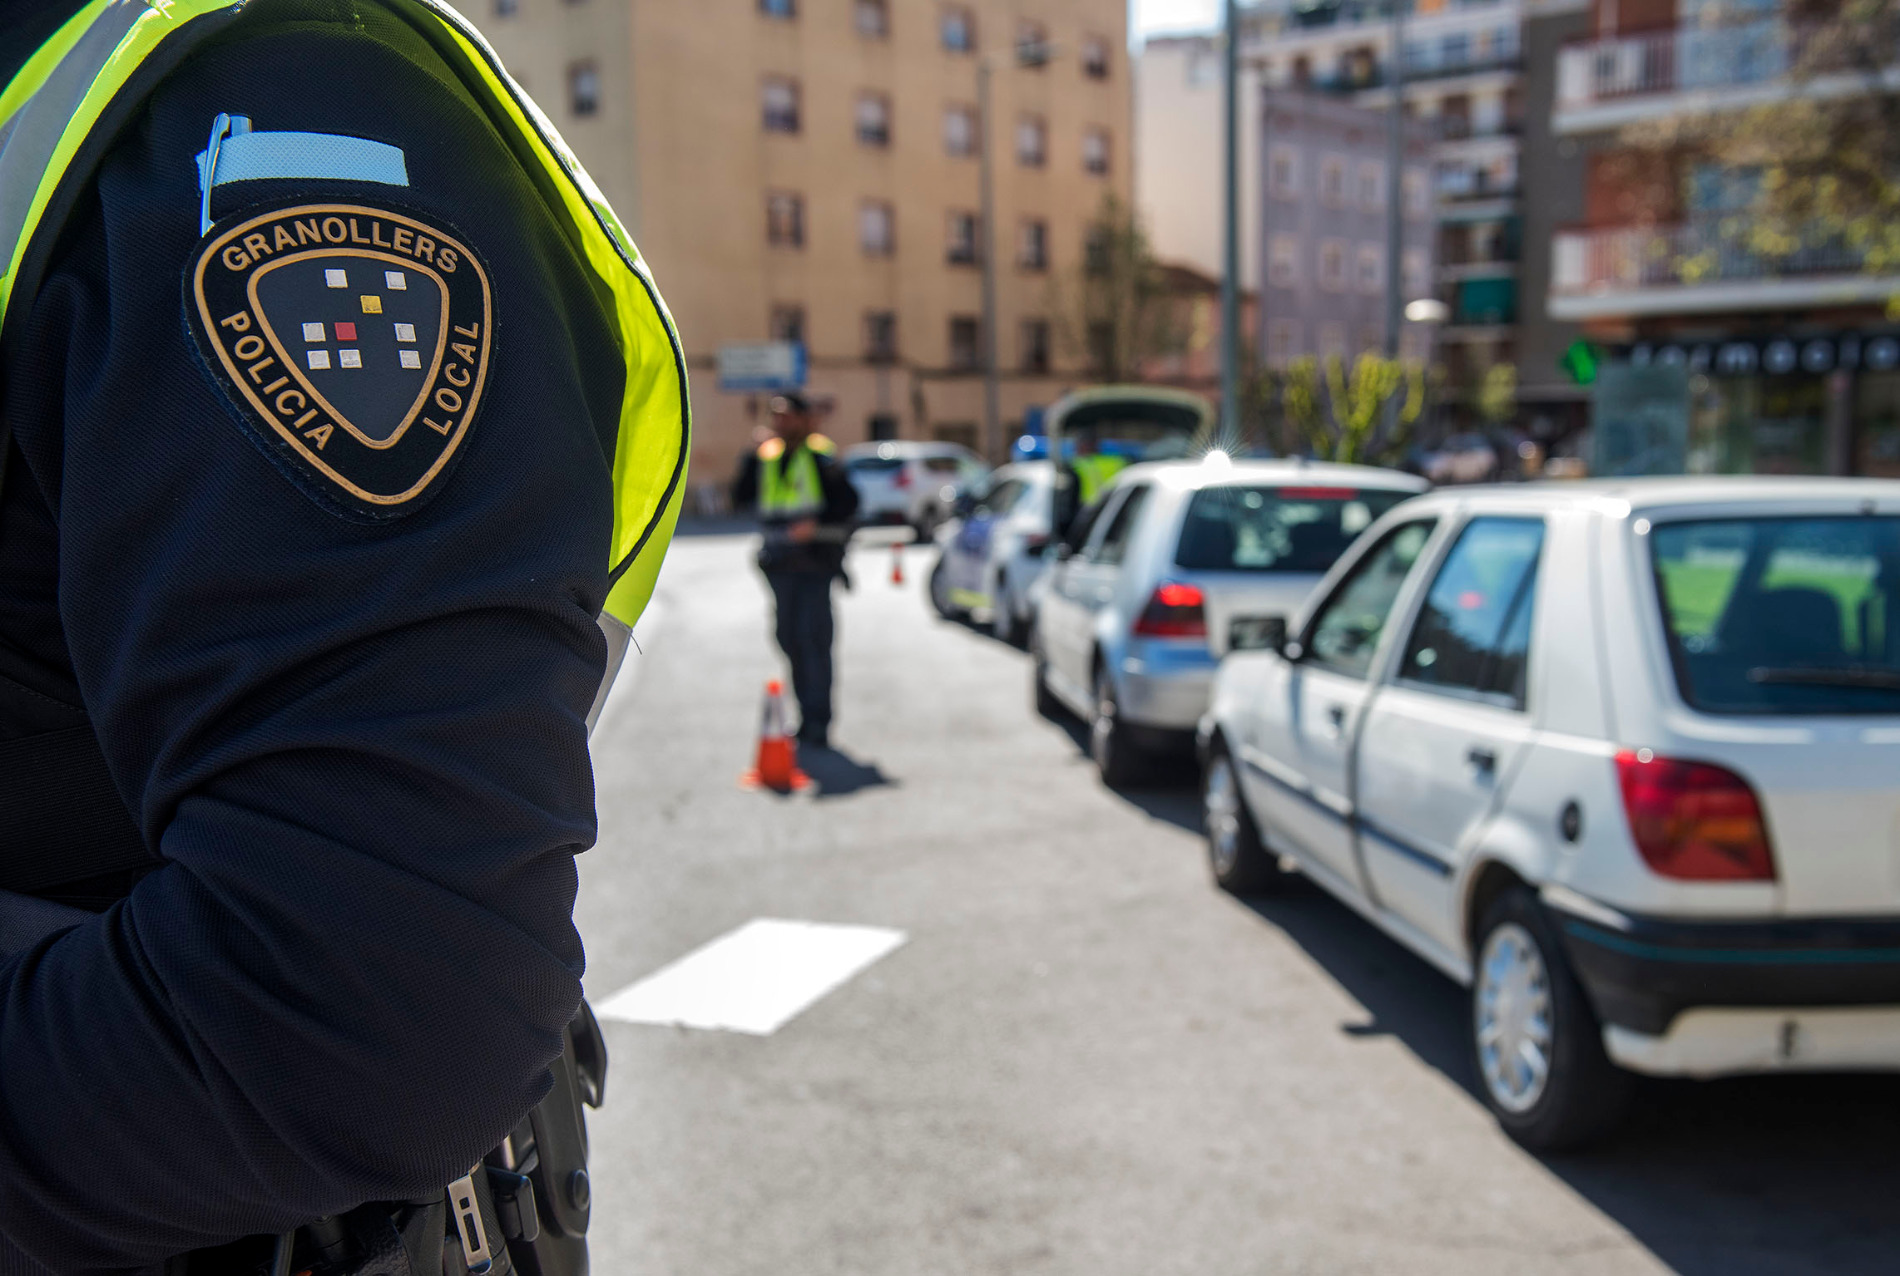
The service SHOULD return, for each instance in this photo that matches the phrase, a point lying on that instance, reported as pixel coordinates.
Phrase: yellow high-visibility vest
(1093, 473)
(791, 489)
(93, 74)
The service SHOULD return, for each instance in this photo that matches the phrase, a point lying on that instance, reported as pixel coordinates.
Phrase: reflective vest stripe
(50, 107)
(1094, 472)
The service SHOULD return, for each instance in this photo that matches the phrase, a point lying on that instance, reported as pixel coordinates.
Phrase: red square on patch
(345, 331)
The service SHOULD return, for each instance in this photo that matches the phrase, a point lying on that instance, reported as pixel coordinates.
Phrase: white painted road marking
(754, 979)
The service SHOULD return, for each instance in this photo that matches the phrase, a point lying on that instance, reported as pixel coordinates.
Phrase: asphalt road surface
(1083, 1058)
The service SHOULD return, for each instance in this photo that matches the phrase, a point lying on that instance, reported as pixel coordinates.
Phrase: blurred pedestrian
(805, 504)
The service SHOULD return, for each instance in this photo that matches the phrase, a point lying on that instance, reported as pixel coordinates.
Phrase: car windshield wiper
(1839, 676)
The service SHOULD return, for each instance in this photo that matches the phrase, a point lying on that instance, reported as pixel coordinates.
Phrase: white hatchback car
(1624, 758)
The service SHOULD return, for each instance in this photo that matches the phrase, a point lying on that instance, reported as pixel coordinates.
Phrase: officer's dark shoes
(814, 740)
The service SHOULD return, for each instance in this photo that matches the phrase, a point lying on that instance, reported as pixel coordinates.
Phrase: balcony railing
(1691, 59)
(1711, 251)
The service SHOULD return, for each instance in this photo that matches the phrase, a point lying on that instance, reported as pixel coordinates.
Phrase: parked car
(1136, 610)
(1463, 458)
(910, 483)
(992, 552)
(1623, 758)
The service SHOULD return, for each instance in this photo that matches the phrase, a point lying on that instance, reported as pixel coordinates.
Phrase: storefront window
(1758, 425)
(1877, 424)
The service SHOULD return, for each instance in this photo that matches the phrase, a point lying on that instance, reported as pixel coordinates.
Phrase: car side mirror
(1257, 633)
(963, 505)
(1062, 550)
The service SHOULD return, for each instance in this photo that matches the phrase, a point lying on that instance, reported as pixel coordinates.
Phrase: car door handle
(1482, 759)
(1336, 714)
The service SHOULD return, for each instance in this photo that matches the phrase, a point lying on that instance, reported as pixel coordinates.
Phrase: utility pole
(986, 246)
(1230, 235)
(1395, 185)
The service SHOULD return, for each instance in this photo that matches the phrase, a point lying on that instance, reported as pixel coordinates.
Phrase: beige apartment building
(807, 170)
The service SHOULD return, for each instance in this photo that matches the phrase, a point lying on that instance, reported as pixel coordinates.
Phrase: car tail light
(1175, 611)
(903, 477)
(1318, 493)
(1693, 821)
(1035, 542)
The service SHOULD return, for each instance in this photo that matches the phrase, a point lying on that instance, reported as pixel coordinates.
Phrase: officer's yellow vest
(93, 73)
(792, 489)
(1093, 473)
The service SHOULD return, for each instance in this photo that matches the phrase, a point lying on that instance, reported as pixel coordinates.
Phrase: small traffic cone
(777, 766)
(897, 562)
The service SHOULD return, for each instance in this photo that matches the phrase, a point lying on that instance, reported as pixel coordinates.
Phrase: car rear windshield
(1276, 529)
(1783, 615)
(873, 464)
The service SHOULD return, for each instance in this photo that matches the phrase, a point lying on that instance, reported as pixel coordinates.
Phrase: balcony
(1605, 84)
(1702, 267)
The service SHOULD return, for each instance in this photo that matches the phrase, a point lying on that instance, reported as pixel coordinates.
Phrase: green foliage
(1497, 394)
(1113, 310)
(1362, 417)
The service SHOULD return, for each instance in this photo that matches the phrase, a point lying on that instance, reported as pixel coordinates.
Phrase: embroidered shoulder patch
(353, 340)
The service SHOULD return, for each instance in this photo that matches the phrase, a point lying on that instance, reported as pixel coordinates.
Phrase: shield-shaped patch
(354, 341)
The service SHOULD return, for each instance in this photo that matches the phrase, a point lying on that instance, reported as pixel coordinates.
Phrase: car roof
(907, 447)
(1619, 496)
(1190, 476)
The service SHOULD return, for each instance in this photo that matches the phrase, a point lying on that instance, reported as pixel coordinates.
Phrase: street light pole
(1230, 235)
(986, 247)
(1395, 185)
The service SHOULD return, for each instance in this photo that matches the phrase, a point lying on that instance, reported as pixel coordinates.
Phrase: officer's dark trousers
(803, 599)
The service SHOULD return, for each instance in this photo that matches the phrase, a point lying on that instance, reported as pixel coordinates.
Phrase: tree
(1363, 418)
(1497, 394)
(1114, 309)
(1818, 169)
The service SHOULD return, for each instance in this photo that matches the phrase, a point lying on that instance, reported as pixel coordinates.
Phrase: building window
(1097, 247)
(1101, 344)
(1283, 261)
(785, 220)
(1371, 268)
(788, 323)
(507, 8)
(1032, 251)
(1032, 45)
(1416, 276)
(1371, 186)
(1032, 141)
(874, 119)
(1283, 342)
(880, 336)
(1418, 193)
(872, 18)
(1332, 181)
(778, 104)
(960, 250)
(1332, 341)
(1284, 172)
(959, 30)
(877, 229)
(1332, 265)
(1095, 57)
(964, 354)
(1095, 151)
(583, 88)
(959, 130)
(1371, 339)
(1035, 345)
(779, 8)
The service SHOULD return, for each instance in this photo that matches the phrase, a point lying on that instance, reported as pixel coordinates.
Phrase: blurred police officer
(342, 432)
(805, 503)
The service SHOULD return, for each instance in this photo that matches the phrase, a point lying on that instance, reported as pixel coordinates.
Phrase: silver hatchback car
(1140, 604)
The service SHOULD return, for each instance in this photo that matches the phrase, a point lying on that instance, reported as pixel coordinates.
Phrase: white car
(1137, 607)
(911, 483)
(991, 556)
(1624, 758)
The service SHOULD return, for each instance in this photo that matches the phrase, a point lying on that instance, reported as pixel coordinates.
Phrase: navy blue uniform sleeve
(360, 747)
(841, 499)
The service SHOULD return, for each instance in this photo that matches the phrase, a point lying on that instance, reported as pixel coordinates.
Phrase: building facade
(1464, 84)
(807, 171)
(1323, 229)
(1784, 363)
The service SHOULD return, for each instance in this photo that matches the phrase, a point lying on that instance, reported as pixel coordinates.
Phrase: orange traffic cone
(777, 767)
(897, 562)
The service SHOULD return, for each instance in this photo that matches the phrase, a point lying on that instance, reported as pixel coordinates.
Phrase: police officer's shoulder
(772, 449)
(821, 445)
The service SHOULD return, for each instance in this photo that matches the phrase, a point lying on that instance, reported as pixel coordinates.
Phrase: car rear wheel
(1117, 757)
(1047, 706)
(1536, 1041)
(1239, 860)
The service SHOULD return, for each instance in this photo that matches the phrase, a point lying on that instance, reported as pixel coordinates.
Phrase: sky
(1151, 16)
